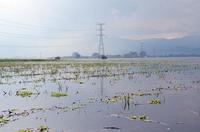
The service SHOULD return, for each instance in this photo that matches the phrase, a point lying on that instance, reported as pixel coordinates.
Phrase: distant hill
(185, 45)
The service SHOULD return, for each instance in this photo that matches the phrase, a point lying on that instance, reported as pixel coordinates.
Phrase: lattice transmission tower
(101, 42)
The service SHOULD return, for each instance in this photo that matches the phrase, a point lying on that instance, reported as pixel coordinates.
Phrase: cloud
(157, 19)
(156, 36)
(128, 19)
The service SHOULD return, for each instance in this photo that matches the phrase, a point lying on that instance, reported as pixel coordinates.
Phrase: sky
(35, 28)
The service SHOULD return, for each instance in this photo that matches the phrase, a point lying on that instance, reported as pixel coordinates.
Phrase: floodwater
(102, 96)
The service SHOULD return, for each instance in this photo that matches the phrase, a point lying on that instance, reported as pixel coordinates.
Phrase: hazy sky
(59, 27)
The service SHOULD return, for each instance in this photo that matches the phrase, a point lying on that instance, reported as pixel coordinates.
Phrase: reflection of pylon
(101, 44)
(102, 87)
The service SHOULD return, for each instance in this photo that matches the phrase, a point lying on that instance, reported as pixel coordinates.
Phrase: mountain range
(186, 45)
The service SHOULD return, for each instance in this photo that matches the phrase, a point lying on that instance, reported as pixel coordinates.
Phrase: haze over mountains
(186, 45)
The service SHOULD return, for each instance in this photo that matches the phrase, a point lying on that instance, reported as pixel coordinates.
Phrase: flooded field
(138, 95)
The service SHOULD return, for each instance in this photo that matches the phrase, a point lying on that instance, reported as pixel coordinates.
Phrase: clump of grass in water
(140, 117)
(43, 128)
(23, 130)
(24, 93)
(114, 99)
(58, 94)
(155, 101)
(141, 94)
(3, 120)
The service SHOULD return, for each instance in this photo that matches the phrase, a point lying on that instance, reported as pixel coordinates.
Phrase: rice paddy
(95, 96)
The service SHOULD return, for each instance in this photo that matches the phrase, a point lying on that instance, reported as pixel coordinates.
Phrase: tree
(57, 58)
(131, 55)
(104, 57)
(143, 54)
(76, 55)
(95, 55)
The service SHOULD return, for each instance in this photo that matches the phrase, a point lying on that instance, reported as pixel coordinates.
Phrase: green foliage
(155, 101)
(23, 130)
(43, 128)
(58, 94)
(24, 93)
(4, 120)
(140, 117)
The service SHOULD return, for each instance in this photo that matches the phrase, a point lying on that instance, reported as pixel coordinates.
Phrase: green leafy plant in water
(155, 101)
(23, 130)
(114, 99)
(111, 100)
(13, 110)
(24, 93)
(133, 117)
(58, 94)
(141, 94)
(140, 117)
(4, 120)
(143, 117)
(43, 128)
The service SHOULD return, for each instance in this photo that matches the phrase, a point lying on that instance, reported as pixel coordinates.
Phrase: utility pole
(101, 42)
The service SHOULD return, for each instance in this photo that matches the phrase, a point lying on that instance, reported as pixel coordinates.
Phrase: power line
(41, 36)
(32, 46)
(33, 26)
(32, 36)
